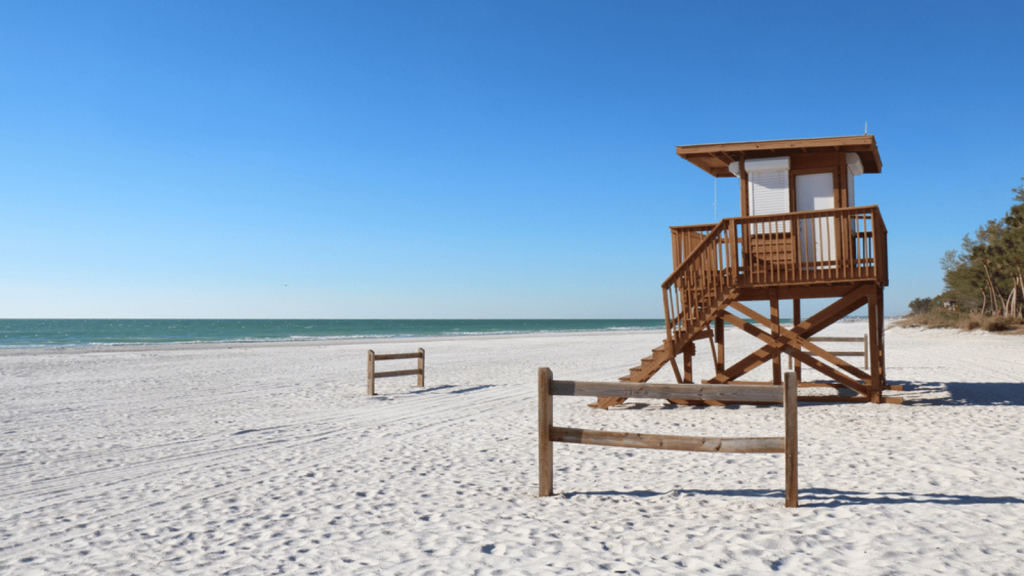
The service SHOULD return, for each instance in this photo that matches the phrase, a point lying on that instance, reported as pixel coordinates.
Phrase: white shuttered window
(769, 194)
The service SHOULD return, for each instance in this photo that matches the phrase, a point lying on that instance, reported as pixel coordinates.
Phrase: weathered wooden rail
(863, 339)
(372, 374)
(548, 387)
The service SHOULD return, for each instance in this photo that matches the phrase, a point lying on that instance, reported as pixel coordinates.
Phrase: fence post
(369, 373)
(422, 368)
(544, 419)
(789, 405)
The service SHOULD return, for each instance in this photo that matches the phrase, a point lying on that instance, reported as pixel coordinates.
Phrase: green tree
(986, 273)
(921, 305)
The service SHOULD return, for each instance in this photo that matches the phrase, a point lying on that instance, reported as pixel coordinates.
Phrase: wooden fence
(863, 339)
(372, 374)
(548, 387)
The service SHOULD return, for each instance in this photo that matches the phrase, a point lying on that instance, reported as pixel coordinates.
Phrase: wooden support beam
(873, 332)
(789, 405)
(823, 289)
(688, 365)
(744, 202)
(720, 341)
(675, 371)
(796, 322)
(881, 334)
(848, 303)
(777, 347)
(545, 415)
(777, 360)
(790, 338)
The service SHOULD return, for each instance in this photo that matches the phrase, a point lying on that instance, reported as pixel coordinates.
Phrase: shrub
(946, 318)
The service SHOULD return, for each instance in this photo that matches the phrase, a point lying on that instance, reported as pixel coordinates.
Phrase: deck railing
(796, 248)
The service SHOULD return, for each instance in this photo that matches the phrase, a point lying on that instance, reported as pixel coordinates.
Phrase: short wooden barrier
(372, 374)
(863, 339)
(548, 387)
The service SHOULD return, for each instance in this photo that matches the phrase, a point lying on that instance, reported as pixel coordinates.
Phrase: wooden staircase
(669, 349)
(650, 365)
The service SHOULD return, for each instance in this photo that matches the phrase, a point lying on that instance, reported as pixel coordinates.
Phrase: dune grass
(945, 318)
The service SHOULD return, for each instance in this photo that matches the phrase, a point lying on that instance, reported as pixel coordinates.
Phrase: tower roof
(715, 158)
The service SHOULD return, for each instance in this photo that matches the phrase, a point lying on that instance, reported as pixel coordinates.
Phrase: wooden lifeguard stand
(800, 236)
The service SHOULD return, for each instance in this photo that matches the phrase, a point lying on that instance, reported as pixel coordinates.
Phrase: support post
(688, 353)
(873, 326)
(369, 373)
(421, 366)
(544, 418)
(720, 341)
(796, 322)
(744, 201)
(881, 336)
(789, 405)
(777, 360)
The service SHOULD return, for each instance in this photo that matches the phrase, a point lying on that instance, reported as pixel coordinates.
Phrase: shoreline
(322, 340)
(340, 341)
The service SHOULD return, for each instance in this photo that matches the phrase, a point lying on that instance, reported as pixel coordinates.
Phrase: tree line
(985, 274)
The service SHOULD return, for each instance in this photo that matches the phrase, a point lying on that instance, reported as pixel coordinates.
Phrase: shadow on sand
(963, 393)
(821, 497)
(453, 389)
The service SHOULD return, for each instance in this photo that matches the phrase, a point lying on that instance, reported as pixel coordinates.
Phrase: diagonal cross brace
(855, 299)
(788, 337)
(780, 347)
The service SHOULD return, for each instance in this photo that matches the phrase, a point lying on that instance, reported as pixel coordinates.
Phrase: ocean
(55, 333)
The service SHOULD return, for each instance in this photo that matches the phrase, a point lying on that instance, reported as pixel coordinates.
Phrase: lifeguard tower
(800, 236)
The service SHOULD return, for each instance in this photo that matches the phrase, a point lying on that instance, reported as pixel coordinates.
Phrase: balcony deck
(792, 250)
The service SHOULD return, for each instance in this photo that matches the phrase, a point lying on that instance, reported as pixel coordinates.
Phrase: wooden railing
(686, 238)
(796, 248)
(863, 340)
(698, 284)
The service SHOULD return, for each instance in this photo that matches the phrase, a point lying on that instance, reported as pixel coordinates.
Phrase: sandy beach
(247, 459)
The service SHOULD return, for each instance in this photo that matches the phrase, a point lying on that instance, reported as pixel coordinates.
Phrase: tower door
(817, 235)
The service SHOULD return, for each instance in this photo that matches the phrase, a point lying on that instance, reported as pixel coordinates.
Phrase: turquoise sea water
(75, 333)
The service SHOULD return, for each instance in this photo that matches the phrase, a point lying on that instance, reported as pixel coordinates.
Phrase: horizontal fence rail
(372, 374)
(862, 339)
(548, 388)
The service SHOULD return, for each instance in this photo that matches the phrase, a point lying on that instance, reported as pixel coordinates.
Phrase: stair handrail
(708, 238)
(685, 300)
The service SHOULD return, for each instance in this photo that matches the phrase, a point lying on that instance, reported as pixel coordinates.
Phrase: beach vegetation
(984, 279)
(961, 320)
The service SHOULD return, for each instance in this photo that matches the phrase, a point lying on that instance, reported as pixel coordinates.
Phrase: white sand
(267, 459)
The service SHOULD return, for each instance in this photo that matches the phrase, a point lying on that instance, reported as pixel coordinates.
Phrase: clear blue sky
(463, 159)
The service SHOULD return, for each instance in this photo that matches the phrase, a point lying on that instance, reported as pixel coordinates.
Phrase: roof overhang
(715, 158)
